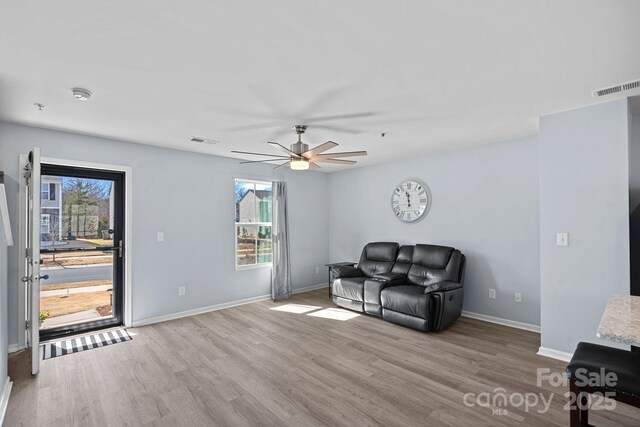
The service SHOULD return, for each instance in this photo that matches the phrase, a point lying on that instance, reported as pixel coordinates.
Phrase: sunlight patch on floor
(335, 314)
(296, 308)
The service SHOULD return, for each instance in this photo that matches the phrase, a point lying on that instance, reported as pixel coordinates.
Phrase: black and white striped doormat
(75, 345)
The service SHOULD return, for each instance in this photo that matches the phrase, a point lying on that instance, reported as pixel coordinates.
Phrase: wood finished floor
(251, 365)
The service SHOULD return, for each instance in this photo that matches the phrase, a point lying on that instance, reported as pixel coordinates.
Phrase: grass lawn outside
(74, 303)
(97, 242)
(70, 259)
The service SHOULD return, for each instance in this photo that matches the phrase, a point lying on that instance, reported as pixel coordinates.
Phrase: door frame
(128, 265)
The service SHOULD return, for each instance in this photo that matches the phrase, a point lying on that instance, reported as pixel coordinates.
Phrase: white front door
(31, 179)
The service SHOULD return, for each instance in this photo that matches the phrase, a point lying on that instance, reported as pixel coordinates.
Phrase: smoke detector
(81, 94)
(615, 89)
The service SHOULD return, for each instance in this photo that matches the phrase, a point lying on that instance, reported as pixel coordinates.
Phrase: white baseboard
(13, 348)
(554, 354)
(310, 288)
(217, 307)
(200, 310)
(4, 399)
(500, 321)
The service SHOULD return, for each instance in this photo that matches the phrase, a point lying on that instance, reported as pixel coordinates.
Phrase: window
(253, 223)
(47, 191)
(44, 191)
(45, 223)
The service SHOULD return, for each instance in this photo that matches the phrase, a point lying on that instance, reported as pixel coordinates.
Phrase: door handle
(26, 279)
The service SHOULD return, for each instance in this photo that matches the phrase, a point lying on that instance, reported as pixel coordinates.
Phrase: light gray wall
(485, 202)
(4, 339)
(190, 197)
(584, 191)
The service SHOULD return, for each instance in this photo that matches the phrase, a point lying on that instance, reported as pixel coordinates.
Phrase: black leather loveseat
(416, 286)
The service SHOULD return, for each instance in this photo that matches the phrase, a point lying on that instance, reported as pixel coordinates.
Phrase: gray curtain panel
(281, 273)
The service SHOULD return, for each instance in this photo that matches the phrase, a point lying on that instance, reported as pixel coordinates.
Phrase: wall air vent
(203, 140)
(615, 89)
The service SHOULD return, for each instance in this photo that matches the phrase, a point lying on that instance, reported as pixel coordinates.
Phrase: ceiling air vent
(203, 140)
(615, 89)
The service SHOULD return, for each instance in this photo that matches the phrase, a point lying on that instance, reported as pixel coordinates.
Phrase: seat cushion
(406, 299)
(349, 287)
(593, 357)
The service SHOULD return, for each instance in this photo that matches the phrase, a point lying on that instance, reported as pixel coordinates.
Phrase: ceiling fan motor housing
(299, 147)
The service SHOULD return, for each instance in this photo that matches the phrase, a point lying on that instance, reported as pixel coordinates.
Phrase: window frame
(257, 224)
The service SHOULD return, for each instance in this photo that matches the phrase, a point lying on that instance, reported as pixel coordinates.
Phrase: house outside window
(51, 206)
(253, 223)
(45, 223)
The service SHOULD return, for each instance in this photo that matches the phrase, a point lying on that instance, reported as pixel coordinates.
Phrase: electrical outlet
(182, 291)
(492, 293)
(517, 297)
(160, 236)
(317, 270)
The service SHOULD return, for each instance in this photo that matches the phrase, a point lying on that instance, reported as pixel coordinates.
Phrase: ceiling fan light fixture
(299, 164)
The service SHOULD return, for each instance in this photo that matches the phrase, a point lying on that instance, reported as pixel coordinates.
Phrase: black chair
(589, 362)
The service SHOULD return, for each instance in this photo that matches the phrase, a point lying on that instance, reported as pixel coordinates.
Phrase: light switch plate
(160, 236)
(492, 293)
(562, 239)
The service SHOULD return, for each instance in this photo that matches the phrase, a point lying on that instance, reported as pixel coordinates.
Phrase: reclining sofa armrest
(442, 287)
(346, 271)
(388, 277)
(445, 306)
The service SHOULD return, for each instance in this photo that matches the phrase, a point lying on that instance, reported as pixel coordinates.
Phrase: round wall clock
(411, 200)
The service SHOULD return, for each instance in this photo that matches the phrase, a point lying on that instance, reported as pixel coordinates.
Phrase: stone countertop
(621, 320)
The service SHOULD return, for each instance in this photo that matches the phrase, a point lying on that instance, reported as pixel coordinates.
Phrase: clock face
(411, 200)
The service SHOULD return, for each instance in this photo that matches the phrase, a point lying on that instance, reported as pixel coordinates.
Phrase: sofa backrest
(432, 264)
(403, 260)
(378, 257)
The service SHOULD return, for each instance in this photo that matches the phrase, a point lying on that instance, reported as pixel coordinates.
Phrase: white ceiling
(434, 75)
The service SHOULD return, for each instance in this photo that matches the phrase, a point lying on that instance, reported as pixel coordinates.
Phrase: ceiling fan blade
(265, 125)
(282, 147)
(334, 161)
(282, 165)
(340, 117)
(259, 154)
(313, 166)
(343, 154)
(339, 129)
(319, 149)
(262, 161)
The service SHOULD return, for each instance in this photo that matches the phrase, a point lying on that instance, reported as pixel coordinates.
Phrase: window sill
(252, 267)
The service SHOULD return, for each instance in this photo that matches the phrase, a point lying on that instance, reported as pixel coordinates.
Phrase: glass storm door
(81, 249)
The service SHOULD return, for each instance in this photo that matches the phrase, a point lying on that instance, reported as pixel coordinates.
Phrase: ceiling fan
(300, 157)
